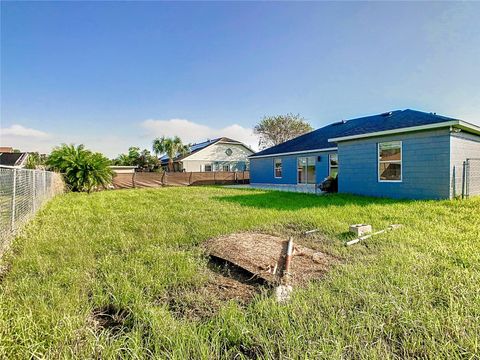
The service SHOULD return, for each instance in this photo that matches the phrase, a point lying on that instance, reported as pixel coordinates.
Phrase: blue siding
(261, 169)
(425, 166)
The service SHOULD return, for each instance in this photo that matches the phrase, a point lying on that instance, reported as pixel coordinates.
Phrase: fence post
(190, 179)
(133, 179)
(464, 174)
(163, 178)
(34, 205)
(467, 179)
(214, 180)
(44, 185)
(12, 224)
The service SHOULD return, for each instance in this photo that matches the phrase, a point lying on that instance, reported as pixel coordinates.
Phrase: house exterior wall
(425, 166)
(262, 169)
(463, 146)
(216, 155)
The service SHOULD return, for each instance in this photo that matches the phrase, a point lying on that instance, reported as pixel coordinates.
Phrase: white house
(222, 154)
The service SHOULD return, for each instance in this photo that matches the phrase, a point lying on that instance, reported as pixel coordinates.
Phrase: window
(333, 165)
(278, 168)
(390, 161)
(207, 168)
(226, 167)
(306, 170)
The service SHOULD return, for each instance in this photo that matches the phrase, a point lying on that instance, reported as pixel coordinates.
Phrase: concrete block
(360, 229)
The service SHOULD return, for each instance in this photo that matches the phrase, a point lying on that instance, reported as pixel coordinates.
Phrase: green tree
(274, 130)
(35, 160)
(83, 169)
(143, 159)
(172, 147)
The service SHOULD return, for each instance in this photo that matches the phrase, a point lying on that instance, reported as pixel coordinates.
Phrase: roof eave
(402, 130)
(293, 153)
(468, 127)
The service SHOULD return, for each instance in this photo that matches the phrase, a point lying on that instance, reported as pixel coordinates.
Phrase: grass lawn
(409, 293)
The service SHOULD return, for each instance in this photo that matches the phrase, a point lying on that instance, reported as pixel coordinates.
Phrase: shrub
(83, 169)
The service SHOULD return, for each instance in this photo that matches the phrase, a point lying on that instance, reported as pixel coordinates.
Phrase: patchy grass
(87, 277)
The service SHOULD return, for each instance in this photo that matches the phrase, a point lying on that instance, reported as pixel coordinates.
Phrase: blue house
(397, 154)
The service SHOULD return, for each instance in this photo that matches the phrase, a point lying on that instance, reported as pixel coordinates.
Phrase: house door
(306, 170)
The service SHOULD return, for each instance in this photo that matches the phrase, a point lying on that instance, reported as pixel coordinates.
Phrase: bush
(330, 184)
(83, 169)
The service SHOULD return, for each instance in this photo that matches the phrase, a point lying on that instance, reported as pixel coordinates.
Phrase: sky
(112, 75)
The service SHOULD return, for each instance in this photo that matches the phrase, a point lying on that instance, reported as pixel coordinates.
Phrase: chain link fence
(471, 178)
(22, 193)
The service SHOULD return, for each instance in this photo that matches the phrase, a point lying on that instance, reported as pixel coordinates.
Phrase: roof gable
(319, 139)
(195, 148)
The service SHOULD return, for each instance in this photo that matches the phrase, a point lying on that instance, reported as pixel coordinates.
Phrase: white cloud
(28, 139)
(19, 130)
(191, 132)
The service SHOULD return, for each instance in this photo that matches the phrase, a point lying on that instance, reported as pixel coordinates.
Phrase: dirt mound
(241, 266)
(263, 256)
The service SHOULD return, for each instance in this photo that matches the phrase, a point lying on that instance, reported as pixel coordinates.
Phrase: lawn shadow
(280, 200)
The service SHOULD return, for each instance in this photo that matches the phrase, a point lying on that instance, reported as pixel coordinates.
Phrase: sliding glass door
(306, 170)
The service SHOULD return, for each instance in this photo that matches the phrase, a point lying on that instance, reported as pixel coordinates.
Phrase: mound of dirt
(263, 256)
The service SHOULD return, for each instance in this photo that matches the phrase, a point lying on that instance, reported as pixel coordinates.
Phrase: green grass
(409, 293)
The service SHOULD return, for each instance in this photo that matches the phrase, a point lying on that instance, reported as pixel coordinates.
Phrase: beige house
(222, 154)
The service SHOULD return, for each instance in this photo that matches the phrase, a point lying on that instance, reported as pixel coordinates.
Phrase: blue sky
(116, 74)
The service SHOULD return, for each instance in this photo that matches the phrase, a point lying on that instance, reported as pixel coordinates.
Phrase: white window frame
(330, 164)
(275, 169)
(226, 165)
(396, 161)
(205, 168)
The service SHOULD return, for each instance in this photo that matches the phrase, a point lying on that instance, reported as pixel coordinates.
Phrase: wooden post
(463, 178)
(163, 178)
(214, 181)
(133, 179)
(190, 179)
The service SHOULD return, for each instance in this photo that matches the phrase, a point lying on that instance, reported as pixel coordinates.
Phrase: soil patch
(110, 318)
(4, 269)
(263, 256)
(242, 266)
(225, 282)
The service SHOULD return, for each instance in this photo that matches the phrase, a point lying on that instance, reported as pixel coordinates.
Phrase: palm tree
(83, 169)
(172, 147)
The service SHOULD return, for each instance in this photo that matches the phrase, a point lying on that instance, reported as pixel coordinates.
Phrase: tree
(274, 130)
(172, 147)
(35, 160)
(144, 159)
(82, 169)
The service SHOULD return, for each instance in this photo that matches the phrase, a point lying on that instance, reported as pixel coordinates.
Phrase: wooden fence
(155, 179)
